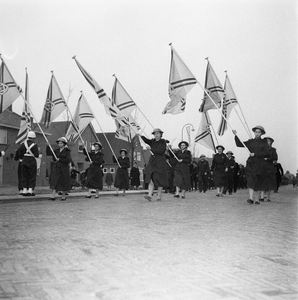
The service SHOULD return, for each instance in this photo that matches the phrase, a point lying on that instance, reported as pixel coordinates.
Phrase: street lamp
(192, 129)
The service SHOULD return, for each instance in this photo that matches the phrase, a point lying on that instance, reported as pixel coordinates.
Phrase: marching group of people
(172, 170)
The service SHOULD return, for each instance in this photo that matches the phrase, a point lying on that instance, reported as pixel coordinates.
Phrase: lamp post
(192, 129)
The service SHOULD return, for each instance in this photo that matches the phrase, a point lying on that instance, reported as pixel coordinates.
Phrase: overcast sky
(255, 40)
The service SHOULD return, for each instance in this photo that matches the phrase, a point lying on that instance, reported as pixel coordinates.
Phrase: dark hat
(98, 144)
(183, 142)
(259, 127)
(269, 138)
(230, 152)
(123, 150)
(157, 130)
(202, 155)
(63, 140)
(220, 146)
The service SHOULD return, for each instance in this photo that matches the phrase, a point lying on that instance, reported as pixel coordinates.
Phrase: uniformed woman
(181, 173)
(121, 178)
(271, 177)
(94, 174)
(156, 174)
(219, 169)
(60, 174)
(255, 169)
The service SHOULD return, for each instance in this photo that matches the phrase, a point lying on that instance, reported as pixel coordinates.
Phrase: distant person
(181, 173)
(241, 177)
(236, 176)
(194, 175)
(203, 173)
(94, 174)
(27, 154)
(171, 163)
(73, 176)
(121, 178)
(60, 174)
(109, 180)
(219, 169)
(230, 173)
(135, 176)
(255, 170)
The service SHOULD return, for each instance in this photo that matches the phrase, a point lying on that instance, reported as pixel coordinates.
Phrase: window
(112, 170)
(3, 136)
(105, 170)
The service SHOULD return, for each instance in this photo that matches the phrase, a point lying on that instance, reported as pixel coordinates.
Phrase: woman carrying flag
(122, 178)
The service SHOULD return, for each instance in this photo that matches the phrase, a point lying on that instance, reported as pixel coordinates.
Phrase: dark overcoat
(271, 177)
(219, 164)
(60, 173)
(121, 178)
(255, 170)
(157, 165)
(135, 177)
(182, 174)
(94, 174)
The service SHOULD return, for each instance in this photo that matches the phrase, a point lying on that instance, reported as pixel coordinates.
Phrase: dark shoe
(268, 200)
(217, 195)
(230, 193)
(59, 193)
(30, 194)
(116, 195)
(176, 196)
(96, 197)
(261, 199)
(183, 197)
(147, 198)
(158, 199)
(63, 199)
(257, 202)
(52, 199)
(249, 201)
(66, 194)
(88, 197)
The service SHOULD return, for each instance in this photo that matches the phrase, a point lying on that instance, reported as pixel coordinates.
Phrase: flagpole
(245, 125)
(212, 128)
(206, 92)
(28, 105)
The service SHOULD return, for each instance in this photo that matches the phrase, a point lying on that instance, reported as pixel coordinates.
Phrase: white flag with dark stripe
(204, 136)
(55, 103)
(181, 81)
(229, 102)
(127, 132)
(82, 117)
(26, 120)
(9, 90)
(122, 99)
(214, 90)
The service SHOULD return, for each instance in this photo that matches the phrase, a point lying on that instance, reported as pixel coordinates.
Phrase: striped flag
(9, 90)
(122, 100)
(81, 119)
(55, 103)
(26, 120)
(229, 102)
(204, 136)
(127, 132)
(214, 89)
(181, 81)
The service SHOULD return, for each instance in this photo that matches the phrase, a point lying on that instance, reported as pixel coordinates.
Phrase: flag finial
(52, 71)
(170, 44)
(207, 58)
(226, 71)
(74, 57)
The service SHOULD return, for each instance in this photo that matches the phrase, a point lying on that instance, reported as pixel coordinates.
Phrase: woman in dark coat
(135, 176)
(60, 170)
(94, 174)
(121, 178)
(181, 173)
(255, 170)
(157, 166)
(271, 178)
(219, 169)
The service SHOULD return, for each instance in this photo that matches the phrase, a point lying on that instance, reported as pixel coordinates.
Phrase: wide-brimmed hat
(123, 150)
(202, 155)
(259, 127)
(230, 152)
(183, 142)
(31, 135)
(269, 138)
(62, 139)
(98, 144)
(157, 130)
(220, 146)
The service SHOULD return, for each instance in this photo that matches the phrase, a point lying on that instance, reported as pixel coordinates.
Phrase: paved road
(201, 247)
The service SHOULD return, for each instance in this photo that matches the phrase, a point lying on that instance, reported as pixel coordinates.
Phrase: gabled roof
(10, 119)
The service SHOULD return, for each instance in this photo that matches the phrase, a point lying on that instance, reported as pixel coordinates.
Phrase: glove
(2, 153)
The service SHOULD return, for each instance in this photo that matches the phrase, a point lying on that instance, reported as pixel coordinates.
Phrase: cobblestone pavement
(201, 247)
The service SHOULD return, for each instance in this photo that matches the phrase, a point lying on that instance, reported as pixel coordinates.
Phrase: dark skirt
(157, 171)
(256, 173)
(94, 177)
(270, 181)
(220, 177)
(60, 177)
(121, 179)
(182, 176)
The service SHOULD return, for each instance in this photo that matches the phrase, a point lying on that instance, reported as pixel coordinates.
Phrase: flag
(9, 90)
(55, 103)
(127, 132)
(122, 100)
(81, 119)
(229, 102)
(204, 136)
(26, 120)
(214, 90)
(181, 81)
